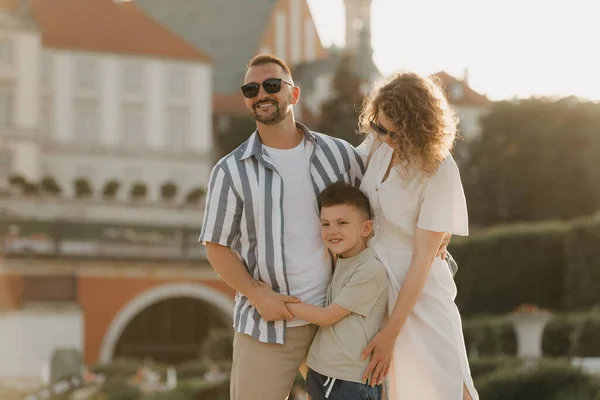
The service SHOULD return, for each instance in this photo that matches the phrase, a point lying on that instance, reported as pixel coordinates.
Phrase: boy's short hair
(340, 193)
(263, 59)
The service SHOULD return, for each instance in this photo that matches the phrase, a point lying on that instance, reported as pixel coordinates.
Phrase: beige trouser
(263, 371)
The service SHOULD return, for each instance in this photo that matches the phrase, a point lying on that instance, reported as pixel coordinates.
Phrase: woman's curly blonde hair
(425, 124)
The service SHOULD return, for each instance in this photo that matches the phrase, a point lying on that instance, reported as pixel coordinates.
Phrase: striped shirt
(244, 211)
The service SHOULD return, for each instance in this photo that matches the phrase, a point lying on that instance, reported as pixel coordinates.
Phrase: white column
(280, 35)
(201, 135)
(310, 41)
(63, 87)
(296, 31)
(27, 94)
(110, 100)
(155, 112)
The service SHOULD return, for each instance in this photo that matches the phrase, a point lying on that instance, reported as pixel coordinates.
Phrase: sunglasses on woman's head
(271, 86)
(381, 131)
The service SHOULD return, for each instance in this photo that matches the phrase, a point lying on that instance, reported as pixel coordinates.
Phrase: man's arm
(220, 230)
(322, 316)
(270, 305)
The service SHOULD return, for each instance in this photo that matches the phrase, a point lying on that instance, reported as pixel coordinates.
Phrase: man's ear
(295, 95)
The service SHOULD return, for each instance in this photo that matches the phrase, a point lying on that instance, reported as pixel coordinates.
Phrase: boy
(356, 300)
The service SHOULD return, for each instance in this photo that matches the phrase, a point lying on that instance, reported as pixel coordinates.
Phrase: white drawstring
(330, 386)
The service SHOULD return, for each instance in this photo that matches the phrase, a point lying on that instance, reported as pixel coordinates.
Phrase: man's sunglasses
(381, 131)
(271, 86)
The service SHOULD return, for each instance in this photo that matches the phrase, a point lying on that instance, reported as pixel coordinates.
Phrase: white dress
(430, 359)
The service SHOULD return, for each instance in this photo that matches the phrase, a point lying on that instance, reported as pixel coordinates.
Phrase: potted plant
(168, 191)
(529, 322)
(194, 196)
(138, 191)
(49, 186)
(83, 189)
(109, 192)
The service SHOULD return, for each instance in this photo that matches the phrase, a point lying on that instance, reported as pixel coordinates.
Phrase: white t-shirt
(308, 266)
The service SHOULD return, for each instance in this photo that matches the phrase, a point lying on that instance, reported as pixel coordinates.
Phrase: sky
(510, 48)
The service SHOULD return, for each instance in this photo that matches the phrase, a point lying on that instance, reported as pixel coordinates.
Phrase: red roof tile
(108, 26)
(469, 96)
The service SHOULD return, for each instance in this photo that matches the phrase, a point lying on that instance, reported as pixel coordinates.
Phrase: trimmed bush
(566, 335)
(550, 380)
(554, 265)
(489, 336)
(484, 366)
(583, 274)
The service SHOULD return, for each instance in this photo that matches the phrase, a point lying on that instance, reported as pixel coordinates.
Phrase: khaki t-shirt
(359, 284)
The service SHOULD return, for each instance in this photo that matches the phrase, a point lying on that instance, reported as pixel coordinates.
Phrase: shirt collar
(254, 145)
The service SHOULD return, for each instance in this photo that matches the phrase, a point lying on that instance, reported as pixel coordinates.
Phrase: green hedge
(550, 380)
(583, 277)
(554, 265)
(566, 335)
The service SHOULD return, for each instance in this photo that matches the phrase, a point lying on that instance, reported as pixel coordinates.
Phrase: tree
(339, 114)
(533, 161)
(238, 130)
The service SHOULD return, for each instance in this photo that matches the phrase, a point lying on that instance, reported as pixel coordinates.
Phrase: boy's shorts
(321, 387)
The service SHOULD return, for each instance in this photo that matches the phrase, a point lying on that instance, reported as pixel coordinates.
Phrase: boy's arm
(322, 316)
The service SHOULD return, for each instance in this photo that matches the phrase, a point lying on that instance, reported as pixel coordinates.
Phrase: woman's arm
(322, 316)
(426, 246)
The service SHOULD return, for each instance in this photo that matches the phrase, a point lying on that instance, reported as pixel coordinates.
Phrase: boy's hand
(271, 305)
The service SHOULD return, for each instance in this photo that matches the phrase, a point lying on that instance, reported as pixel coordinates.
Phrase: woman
(415, 190)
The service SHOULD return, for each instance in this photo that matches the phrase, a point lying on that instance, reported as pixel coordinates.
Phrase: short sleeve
(363, 290)
(364, 148)
(444, 208)
(222, 212)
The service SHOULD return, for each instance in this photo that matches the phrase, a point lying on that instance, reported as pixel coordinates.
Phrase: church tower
(358, 24)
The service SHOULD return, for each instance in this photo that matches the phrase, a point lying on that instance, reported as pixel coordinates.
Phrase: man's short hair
(263, 59)
(341, 193)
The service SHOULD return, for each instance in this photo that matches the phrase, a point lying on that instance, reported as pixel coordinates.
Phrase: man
(262, 230)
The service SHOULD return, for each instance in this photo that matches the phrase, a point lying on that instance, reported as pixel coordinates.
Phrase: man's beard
(278, 115)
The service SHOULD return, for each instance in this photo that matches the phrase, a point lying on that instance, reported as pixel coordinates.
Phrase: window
(86, 74)
(178, 129)
(6, 51)
(87, 123)
(132, 127)
(177, 83)
(132, 78)
(6, 105)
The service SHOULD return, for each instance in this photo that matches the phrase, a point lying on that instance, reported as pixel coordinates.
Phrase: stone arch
(163, 292)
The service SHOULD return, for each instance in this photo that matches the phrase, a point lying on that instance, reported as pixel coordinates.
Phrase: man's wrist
(253, 291)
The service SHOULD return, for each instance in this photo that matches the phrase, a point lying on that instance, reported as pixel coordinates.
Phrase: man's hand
(380, 348)
(443, 251)
(271, 305)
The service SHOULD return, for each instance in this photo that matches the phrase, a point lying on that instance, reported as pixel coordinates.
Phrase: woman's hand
(443, 251)
(380, 348)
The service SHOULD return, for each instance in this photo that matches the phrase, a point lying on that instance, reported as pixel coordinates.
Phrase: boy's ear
(367, 229)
